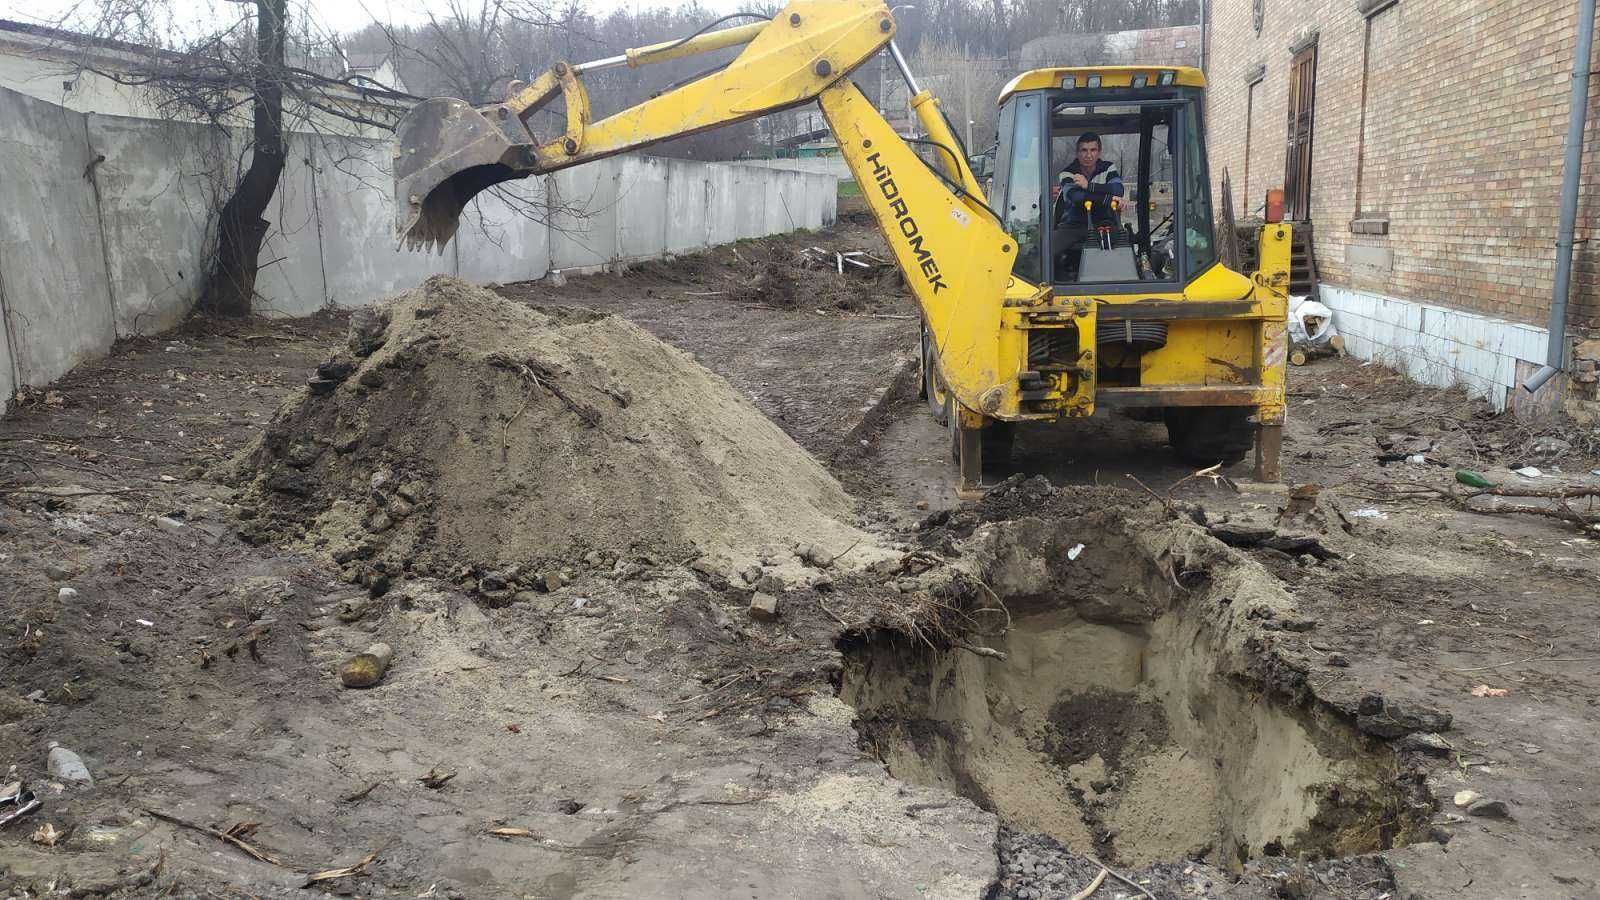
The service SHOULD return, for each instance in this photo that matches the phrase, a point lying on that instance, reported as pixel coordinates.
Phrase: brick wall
(1465, 116)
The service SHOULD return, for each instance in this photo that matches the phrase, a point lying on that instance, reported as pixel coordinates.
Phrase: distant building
(1421, 141)
(375, 71)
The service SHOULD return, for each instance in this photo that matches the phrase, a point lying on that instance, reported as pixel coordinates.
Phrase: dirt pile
(464, 435)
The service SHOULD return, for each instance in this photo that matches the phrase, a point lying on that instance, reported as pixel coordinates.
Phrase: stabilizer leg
(969, 434)
(1269, 446)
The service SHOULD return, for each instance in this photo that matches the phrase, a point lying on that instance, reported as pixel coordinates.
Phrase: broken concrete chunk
(1431, 744)
(1489, 809)
(367, 327)
(336, 369)
(303, 454)
(763, 607)
(1396, 720)
(706, 566)
(1241, 534)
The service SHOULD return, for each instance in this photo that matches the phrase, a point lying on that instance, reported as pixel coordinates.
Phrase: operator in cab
(1088, 178)
(1087, 200)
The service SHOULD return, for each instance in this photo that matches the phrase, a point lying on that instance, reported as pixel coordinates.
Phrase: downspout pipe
(1577, 110)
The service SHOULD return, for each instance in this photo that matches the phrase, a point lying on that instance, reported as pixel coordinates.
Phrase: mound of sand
(462, 433)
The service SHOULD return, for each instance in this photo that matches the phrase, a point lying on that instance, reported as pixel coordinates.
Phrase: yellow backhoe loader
(1032, 311)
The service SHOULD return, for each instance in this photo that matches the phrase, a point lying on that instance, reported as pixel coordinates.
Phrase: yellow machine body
(1225, 332)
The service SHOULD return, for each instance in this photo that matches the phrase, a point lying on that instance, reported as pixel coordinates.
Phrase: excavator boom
(449, 151)
(1015, 314)
(947, 241)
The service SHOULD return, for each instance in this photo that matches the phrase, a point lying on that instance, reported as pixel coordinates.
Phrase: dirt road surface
(636, 732)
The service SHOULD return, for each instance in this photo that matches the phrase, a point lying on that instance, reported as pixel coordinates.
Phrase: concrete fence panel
(105, 223)
(723, 202)
(503, 236)
(585, 220)
(688, 201)
(291, 280)
(156, 202)
(642, 211)
(55, 294)
(830, 166)
(354, 181)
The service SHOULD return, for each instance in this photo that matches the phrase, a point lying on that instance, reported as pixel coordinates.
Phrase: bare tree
(230, 285)
(214, 73)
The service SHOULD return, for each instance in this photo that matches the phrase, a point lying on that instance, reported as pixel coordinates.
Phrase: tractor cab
(1141, 222)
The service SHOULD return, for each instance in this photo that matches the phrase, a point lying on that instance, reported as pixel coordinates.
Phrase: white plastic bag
(1310, 322)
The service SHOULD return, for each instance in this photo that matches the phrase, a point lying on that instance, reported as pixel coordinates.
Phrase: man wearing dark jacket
(1087, 178)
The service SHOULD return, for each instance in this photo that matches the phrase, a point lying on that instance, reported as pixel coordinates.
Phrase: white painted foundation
(1435, 344)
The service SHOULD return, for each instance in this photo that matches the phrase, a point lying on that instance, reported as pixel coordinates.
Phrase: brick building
(1422, 139)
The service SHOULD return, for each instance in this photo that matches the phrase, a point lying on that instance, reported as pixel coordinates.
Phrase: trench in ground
(1116, 724)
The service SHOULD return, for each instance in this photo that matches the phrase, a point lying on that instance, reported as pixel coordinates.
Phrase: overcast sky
(338, 15)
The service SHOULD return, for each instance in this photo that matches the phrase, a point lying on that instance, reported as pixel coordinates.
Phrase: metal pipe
(655, 53)
(1577, 110)
(905, 70)
(610, 62)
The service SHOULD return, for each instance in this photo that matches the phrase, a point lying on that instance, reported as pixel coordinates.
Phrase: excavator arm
(949, 244)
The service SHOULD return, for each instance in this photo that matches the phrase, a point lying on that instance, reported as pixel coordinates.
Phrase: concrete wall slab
(642, 222)
(688, 206)
(585, 222)
(84, 260)
(359, 246)
(58, 305)
(156, 209)
(292, 279)
(503, 236)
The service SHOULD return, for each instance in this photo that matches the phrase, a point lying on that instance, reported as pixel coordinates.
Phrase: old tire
(1207, 435)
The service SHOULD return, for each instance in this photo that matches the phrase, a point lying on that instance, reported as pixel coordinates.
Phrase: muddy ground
(637, 733)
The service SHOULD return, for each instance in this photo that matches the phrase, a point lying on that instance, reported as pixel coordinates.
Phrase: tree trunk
(231, 283)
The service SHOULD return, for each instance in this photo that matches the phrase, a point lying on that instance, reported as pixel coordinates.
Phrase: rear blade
(448, 152)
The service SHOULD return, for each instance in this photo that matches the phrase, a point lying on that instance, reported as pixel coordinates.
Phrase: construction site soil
(647, 644)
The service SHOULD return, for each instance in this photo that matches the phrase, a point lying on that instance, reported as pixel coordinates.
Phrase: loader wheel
(1206, 435)
(933, 390)
(995, 439)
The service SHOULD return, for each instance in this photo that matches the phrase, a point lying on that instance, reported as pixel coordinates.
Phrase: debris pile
(466, 436)
(842, 261)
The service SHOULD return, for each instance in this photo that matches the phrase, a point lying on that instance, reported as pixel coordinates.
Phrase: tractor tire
(933, 390)
(1207, 435)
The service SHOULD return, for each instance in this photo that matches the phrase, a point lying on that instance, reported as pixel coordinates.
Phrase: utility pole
(966, 91)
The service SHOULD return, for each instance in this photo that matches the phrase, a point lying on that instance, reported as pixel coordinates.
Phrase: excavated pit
(1124, 720)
